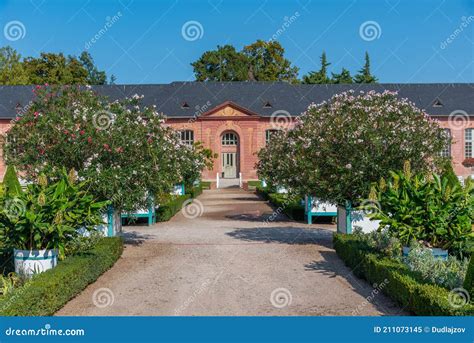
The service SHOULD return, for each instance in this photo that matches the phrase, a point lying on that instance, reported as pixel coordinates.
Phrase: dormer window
(437, 103)
(185, 105)
(267, 105)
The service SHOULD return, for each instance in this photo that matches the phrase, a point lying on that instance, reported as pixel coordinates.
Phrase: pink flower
(89, 140)
(82, 132)
(119, 149)
(66, 132)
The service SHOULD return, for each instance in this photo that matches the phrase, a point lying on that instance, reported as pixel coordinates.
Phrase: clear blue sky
(145, 44)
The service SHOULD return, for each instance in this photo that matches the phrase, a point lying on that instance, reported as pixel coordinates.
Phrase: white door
(229, 167)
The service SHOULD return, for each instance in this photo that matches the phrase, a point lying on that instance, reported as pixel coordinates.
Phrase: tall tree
(223, 64)
(94, 76)
(49, 68)
(319, 77)
(11, 67)
(260, 61)
(55, 69)
(267, 62)
(343, 77)
(364, 75)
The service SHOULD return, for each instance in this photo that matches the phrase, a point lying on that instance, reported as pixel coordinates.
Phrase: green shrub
(291, 207)
(47, 215)
(381, 241)
(449, 273)
(399, 283)
(169, 208)
(47, 292)
(194, 191)
(425, 207)
(205, 184)
(253, 184)
(469, 280)
(11, 184)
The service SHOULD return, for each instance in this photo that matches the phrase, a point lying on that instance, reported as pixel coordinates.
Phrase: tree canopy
(260, 61)
(48, 68)
(340, 147)
(123, 148)
(320, 77)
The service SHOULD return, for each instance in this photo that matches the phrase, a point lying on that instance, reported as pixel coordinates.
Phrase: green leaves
(426, 207)
(48, 214)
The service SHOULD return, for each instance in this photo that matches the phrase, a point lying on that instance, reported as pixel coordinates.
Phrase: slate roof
(169, 98)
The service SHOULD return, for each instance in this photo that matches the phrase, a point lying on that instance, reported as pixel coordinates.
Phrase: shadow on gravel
(331, 266)
(285, 235)
(251, 217)
(134, 238)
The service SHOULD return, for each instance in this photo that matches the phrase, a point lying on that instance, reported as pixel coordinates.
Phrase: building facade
(236, 119)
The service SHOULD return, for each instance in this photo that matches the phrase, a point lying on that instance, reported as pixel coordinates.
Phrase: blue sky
(145, 41)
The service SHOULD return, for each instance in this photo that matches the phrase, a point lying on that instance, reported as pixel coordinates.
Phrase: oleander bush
(338, 148)
(404, 286)
(47, 292)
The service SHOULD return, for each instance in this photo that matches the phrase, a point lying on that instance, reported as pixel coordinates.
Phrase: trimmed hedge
(167, 210)
(205, 184)
(195, 191)
(292, 209)
(47, 292)
(402, 285)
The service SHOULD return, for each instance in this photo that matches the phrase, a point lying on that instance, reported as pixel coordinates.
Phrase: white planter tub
(313, 208)
(31, 262)
(348, 219)
(436, 252)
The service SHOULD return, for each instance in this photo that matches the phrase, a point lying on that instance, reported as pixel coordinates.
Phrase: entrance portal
(229, 155)
(229, 165)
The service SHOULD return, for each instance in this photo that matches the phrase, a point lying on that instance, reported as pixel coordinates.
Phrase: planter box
(31, 262)
(112, 222)
(313, 208)
(437, 253)
(148, 213)
(348, 219)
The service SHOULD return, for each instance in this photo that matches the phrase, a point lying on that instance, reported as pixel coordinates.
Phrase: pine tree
(318, 77)
(344, 77)
(364, 75)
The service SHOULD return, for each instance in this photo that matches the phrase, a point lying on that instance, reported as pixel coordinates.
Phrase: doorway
(229, 165)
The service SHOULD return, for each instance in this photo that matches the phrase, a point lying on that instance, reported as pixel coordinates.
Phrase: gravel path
(234, 259)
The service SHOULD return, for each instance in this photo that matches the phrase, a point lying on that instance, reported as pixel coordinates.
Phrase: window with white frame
(269, 134)
(229, 138)
(187, 136)
(468, 143)
(446, 152)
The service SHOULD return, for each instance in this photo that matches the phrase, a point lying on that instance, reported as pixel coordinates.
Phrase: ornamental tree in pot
(338, 148)
(122, 147)
(40, 220)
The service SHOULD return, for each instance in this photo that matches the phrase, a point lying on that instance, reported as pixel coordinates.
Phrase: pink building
(236, 119)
